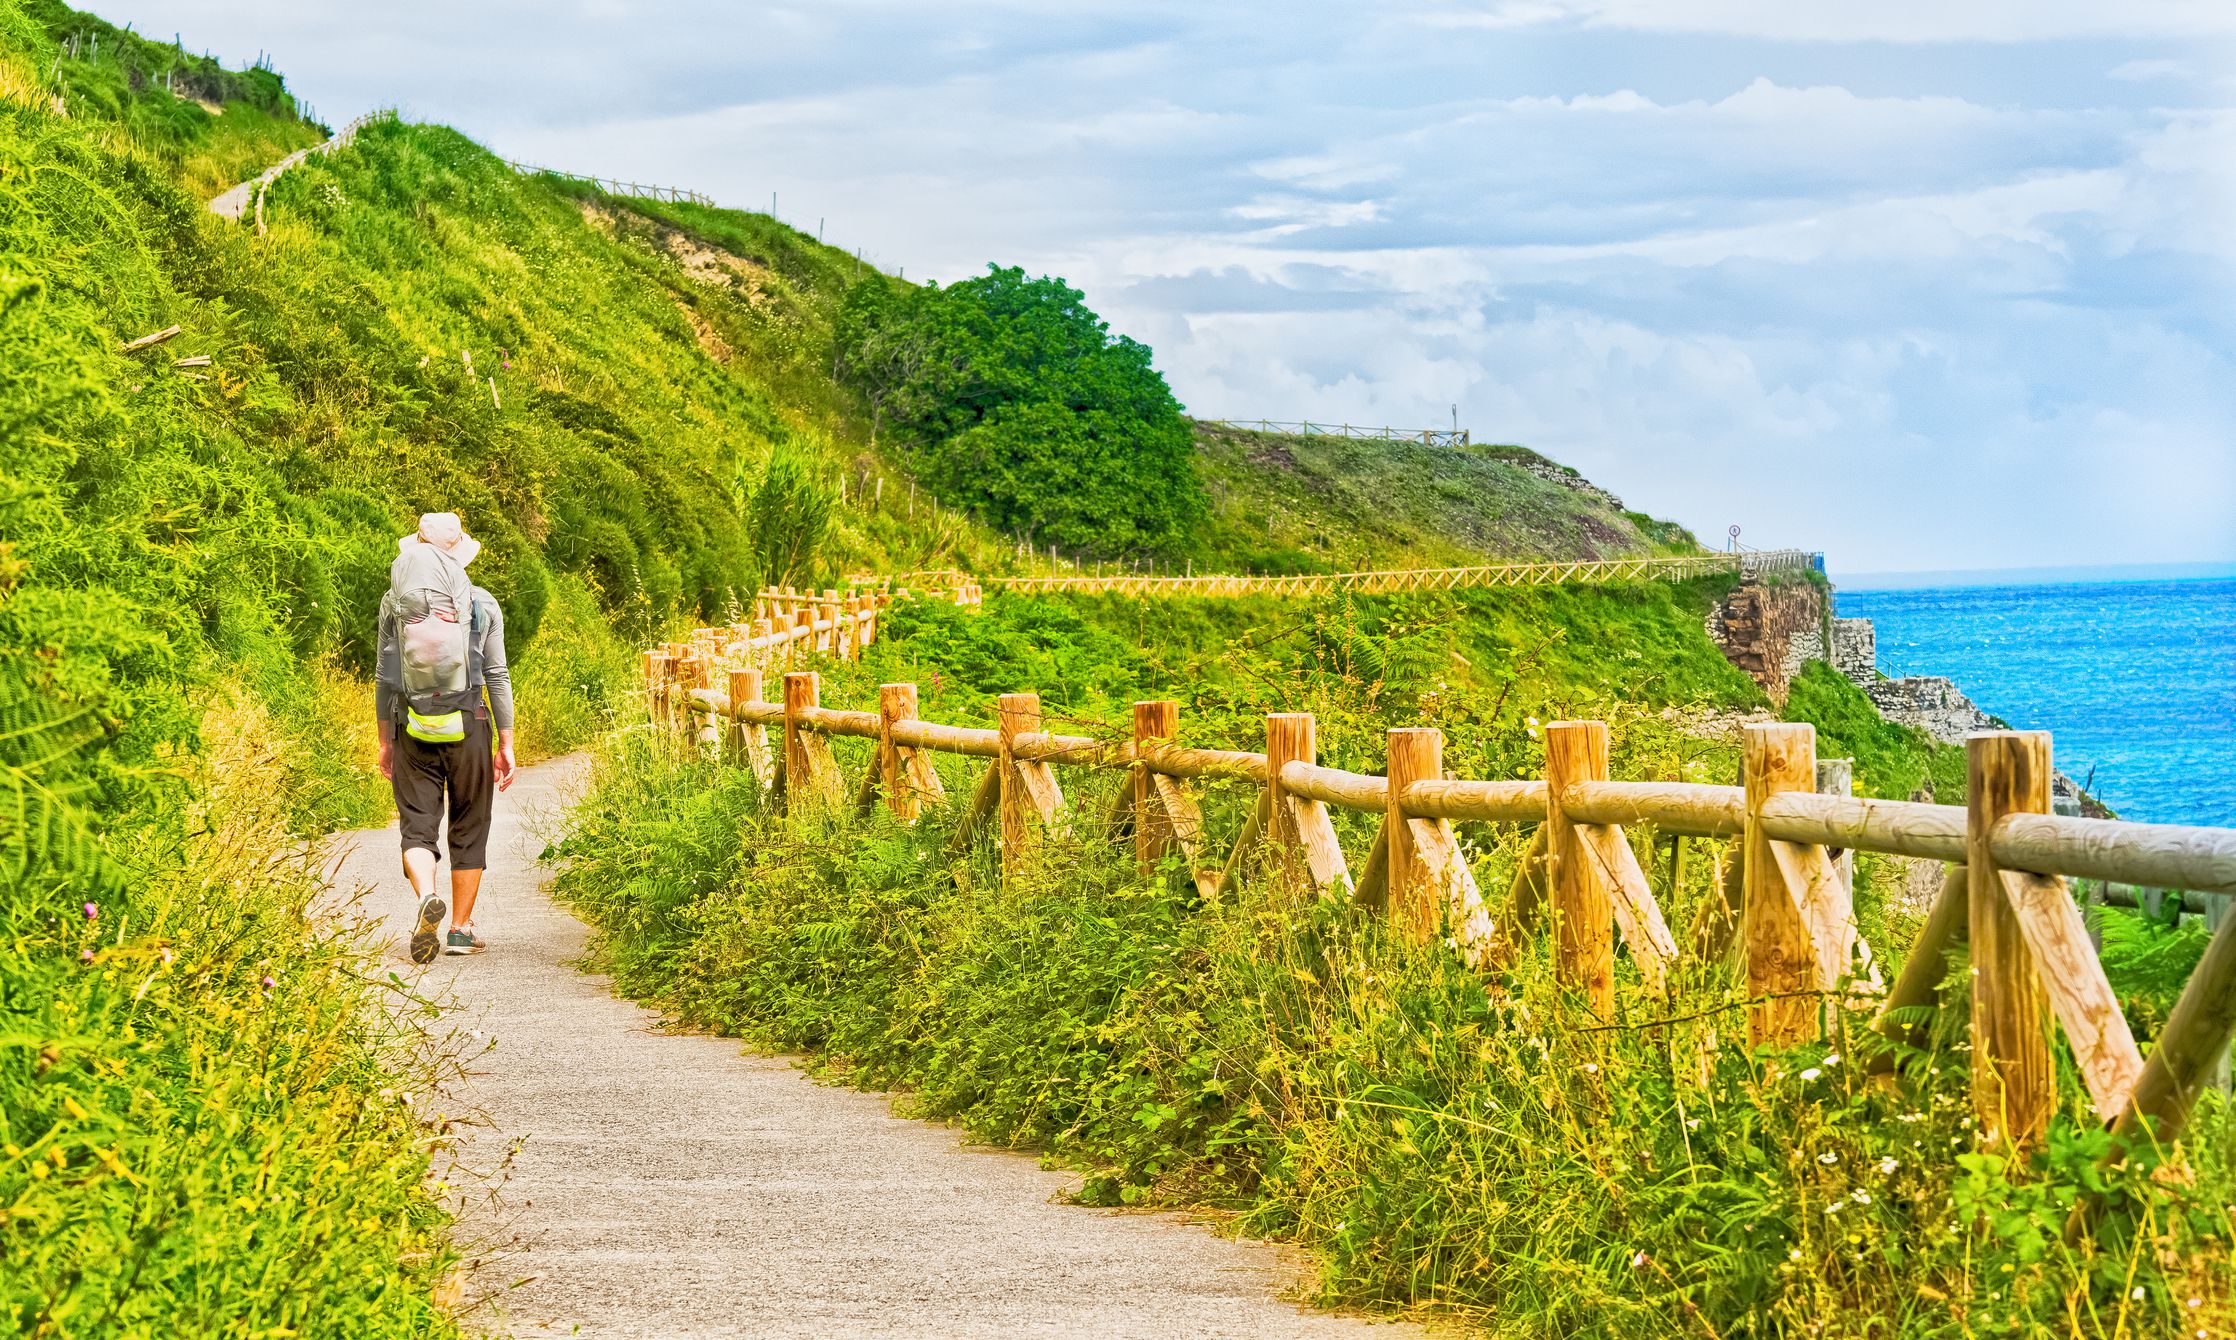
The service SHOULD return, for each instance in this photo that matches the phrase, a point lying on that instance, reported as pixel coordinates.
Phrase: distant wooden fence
(1435, 437)
(611, 186)
(1785, 914)
(1677, 569)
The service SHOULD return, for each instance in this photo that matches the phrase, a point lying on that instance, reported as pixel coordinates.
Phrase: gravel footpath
(665, 1185)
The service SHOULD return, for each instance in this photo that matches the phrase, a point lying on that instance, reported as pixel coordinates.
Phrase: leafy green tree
(1019, 403)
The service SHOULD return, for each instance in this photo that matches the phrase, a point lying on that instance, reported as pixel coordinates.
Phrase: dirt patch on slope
(711, 266)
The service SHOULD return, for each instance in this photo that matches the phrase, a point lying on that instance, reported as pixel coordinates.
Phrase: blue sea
(2135, 680)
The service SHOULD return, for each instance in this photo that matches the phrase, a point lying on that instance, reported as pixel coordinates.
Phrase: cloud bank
(1925, 285)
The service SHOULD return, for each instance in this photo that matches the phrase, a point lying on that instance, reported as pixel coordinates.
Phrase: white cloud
(1903, 21)
(1791, 265)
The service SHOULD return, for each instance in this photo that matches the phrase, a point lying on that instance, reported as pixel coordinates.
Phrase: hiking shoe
(423, 932)
(464, 942)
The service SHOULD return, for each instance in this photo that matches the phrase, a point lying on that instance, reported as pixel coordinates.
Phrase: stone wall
(1933, 704)
(1771, 631)
(1855, 650)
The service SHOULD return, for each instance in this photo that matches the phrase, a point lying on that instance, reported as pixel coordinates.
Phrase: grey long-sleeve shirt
(486, 665)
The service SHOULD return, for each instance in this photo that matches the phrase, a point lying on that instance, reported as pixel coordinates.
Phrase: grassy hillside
(1284, 503)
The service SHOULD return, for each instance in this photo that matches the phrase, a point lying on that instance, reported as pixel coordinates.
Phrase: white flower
(1638, 1260)
(1862, 1197)
(1811, 1073)
(1794, 1255)
(1888, 1165)
(1828, 1158)
(1591, 1067)
(1832, 1058)
(2138, 1294)
(1692, 1123)
(1834, 1208)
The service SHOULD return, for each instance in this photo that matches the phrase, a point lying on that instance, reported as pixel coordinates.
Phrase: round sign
(1734, 532)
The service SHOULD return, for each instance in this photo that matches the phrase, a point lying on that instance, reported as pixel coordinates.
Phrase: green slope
(1287, 503)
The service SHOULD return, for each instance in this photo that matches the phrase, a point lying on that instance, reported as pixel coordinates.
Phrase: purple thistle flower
(92, 910)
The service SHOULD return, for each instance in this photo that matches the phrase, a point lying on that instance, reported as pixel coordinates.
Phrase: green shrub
(1016, 401)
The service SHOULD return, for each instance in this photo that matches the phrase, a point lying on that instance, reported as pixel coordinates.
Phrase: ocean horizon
(2133, 672)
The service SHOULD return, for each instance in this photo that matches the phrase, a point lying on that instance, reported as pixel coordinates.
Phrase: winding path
(666, 1185)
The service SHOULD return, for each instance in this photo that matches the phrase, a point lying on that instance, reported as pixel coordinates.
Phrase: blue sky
(1923, 285)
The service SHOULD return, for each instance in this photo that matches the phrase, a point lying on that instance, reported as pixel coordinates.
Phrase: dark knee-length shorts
(458, 778)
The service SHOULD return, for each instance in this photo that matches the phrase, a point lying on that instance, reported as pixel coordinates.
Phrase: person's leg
(465, 886)
(416, 779)
(473, 790)
(419, 870)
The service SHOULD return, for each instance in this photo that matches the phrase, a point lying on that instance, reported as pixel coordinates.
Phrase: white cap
(444, 531)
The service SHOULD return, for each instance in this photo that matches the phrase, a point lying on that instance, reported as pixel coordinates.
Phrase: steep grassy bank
(1282, 1058)
(1285, 503)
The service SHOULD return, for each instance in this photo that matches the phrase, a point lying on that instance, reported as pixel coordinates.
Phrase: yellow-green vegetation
(205, 126)
(1479, 1146)
(1286, 503)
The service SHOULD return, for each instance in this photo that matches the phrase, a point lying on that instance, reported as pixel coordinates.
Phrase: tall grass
(1477, 1146)
(205, 1119)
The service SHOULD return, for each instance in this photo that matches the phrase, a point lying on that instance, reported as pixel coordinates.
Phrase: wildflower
(1692, 1123)
(1832, 1058)
(2138, 1294)
(1887, 1165)
(1828, 1158)
(1794, 1255)
(268, 982)
(85, 956)
(1811, 1073)
(2196, 1302)
(1862, 1197)
(92, 911)
(1591, 1067)
(1638, 1260)
(167, 954)
(1835, 1207)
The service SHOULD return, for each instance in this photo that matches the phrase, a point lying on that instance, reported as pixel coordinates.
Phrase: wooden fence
(611, 186)
(1785, 913)
(1435, 437)
(1676, 569)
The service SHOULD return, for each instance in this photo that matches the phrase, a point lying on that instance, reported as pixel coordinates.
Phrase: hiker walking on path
(442, 686)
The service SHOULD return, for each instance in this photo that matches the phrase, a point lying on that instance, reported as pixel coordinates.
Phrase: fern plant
(42, 811)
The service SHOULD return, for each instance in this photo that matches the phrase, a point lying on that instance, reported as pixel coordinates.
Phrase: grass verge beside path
(1434, 1143)
(204, 1105)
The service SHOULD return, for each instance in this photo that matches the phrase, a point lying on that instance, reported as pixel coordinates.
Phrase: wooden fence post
(1020, 713)
(655, 673)
(1583, 913)
(802, 688)
(2014, 1089)
(1781, 955)
(906, 774)
(810, 774)
(1289, 738)
(1154, 722)
(749, 741)
(1416, 755)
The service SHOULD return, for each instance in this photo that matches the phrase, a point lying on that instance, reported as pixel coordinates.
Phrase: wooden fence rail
(1580, 881)
(1386, 581)
(611, 186)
